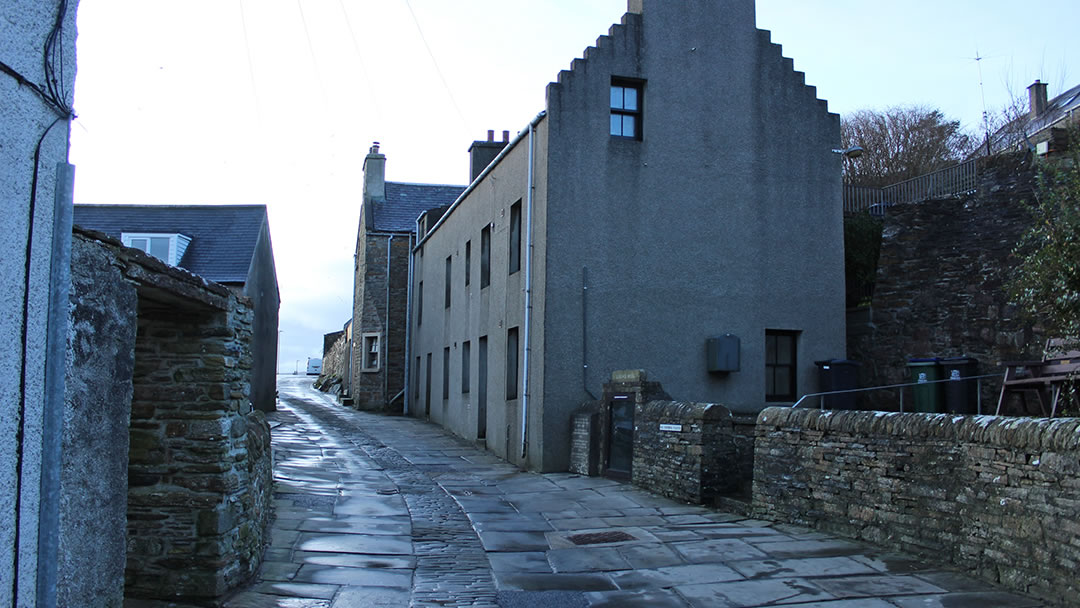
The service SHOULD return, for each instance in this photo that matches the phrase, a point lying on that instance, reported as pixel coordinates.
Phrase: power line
(314, 62)
(363, 66)
(251, 64)
(435, 62)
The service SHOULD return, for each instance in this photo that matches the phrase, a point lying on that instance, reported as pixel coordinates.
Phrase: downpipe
(528, 294)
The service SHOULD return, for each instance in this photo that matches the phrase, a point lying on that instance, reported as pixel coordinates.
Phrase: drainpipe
(386, 329)
(528, 294)
(408, 327)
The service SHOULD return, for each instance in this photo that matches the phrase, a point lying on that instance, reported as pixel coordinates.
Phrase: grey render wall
(261, 286)
(24, 121)
(97, 411)
(725, 218)
(474, 312)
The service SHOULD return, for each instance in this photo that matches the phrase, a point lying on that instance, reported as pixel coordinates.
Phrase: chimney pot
(506, 136)
(491, 134)
(375, 175)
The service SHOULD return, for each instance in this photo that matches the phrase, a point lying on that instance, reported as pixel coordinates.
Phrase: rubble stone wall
(992, 495)
(684, 451)
(940, 289)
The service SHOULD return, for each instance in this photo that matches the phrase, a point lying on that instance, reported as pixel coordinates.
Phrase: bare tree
(901, 143)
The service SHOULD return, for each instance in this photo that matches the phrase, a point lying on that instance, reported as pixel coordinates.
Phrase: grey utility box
(722, 353)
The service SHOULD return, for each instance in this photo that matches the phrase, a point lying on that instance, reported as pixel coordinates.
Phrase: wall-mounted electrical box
(722, 353)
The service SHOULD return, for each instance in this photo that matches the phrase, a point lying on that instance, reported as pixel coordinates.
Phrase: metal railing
(978, 390)
(962, 178)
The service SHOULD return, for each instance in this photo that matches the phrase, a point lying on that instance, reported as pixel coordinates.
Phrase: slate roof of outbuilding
(223, 237)
(405, 202)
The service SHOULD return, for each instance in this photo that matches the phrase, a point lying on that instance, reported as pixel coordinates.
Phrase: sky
(276, 102)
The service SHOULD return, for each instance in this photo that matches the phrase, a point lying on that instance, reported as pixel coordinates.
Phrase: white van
(314, 366)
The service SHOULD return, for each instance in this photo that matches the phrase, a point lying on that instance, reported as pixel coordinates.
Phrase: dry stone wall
(995, 496)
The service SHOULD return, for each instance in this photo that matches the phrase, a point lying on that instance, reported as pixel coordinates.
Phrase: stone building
(227, 244)
(387, 232)
(676, 208)
(37, 45)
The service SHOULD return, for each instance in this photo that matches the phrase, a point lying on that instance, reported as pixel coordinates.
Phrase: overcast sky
(277, 101)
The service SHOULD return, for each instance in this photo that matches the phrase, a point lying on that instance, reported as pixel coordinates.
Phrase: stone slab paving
(378, 511)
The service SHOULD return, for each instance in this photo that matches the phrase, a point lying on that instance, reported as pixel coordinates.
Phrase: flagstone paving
(391, 512)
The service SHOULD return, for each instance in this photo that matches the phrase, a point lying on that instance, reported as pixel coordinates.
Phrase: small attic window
(167, 247)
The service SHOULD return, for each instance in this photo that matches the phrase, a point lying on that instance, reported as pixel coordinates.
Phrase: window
(485, 257)
(468, 261)
(780, 365)
(420, 303)
(446, 296)
(167, 247)
(370, 344)
(512, 363)
(446, 373)
(466, 349)
(515, 237)
(626, 109)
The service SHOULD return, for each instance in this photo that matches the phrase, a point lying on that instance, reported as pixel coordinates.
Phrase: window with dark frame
(446, 297)
(466, 353)
(446, 373)
(468, 261)
(512, 363)
(427, 387)
(485, 257)
(416, 380)
(626, 112)
(515, 237)
(780, 365)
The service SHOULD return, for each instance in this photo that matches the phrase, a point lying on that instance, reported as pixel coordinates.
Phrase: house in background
(388, 223)
(227, 244)
(1043, 128)
(676, 208)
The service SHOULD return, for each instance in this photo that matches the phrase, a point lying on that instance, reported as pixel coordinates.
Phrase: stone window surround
(370, 343)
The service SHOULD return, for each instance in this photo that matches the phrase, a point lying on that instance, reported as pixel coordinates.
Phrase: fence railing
(962, 178)
(900, 387)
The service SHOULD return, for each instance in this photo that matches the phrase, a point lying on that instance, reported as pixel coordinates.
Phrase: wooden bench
(1047, 377)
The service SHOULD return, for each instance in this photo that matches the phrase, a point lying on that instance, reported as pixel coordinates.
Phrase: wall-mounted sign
(673, 428)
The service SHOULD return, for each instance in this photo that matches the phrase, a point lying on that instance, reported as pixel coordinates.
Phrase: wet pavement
(377, 511)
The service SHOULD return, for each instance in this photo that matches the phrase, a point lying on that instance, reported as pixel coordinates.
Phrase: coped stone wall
(995, 496)
(684, 451)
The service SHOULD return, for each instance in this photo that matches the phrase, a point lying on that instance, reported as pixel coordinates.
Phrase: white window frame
(177, 244)
(366, 341)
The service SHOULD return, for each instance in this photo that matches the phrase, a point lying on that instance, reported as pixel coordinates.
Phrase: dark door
(481, 387)
(620, 453)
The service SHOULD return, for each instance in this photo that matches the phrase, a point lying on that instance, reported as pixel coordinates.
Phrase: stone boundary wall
(998, 497)
(193, 482)
(334, 364)
(684, 451)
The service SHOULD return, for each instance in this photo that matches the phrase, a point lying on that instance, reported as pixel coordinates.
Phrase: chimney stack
(635, 6)
(375, 175)
(481, 153)
(1036, 99)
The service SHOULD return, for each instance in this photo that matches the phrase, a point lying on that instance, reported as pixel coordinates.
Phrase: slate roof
(1057, 109)
(223, 237)
(405, 202)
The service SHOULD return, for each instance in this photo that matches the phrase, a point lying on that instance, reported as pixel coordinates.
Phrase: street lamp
(852, 152)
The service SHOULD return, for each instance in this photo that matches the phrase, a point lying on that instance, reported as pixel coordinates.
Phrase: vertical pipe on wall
(528, 295)
(385, 368)
(55, 370)
(409, 371)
